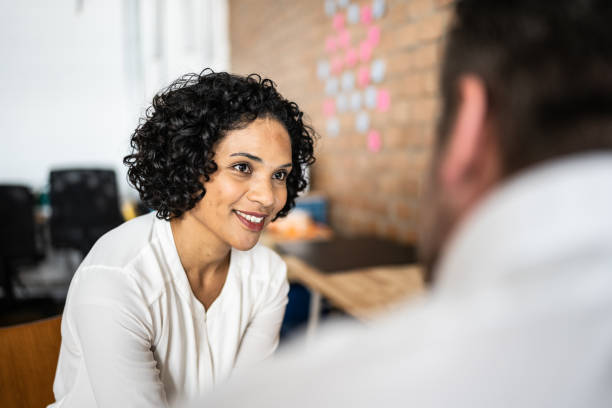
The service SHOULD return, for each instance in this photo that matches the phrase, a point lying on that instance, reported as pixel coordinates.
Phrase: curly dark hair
(546, 68)
(172, 147)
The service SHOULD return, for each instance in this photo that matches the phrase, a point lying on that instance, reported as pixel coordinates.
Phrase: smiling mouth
(252, 222)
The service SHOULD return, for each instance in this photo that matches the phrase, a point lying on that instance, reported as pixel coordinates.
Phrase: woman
(166, 305)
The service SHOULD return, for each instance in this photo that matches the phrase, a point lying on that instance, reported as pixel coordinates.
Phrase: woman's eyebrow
(247, 155)
(257, 159)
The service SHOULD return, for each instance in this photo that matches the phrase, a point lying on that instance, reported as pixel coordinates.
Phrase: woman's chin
(245, 245)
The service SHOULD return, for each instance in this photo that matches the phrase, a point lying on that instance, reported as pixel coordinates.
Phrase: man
(517, 234)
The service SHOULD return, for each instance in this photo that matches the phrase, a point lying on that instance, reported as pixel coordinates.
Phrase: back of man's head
(547, 69)
(522, 82)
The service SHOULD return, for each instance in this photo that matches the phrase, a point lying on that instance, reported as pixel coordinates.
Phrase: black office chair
(19, 243)
(84, 206)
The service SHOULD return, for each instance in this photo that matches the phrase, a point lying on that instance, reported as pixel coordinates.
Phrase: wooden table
(363, 283)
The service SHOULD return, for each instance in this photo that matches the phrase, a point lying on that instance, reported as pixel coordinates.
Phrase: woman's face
(249, 187)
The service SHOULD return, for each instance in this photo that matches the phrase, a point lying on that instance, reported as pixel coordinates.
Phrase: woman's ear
(467, 138)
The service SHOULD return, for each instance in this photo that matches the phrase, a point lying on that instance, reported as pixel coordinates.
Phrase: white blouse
(135, 335)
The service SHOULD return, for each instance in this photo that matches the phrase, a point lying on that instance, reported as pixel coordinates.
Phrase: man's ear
(467, 137)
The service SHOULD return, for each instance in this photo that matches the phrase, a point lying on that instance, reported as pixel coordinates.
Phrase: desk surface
(346, 254)
(362, 293)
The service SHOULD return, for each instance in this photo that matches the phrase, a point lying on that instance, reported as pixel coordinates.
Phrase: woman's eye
(280, 175)
(242, 167)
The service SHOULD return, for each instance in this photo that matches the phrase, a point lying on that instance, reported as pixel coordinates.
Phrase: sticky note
(331, 86)
(348, 81)
(330, 7)
(384, 100)
(323, 69)
(355, 101)
(377, 71)
(366, 14)
(374, 35)
(344, 39)
(363, 76)
(370, 96)
(343, 3)
(330, 44)
(333, 127)
(352, 14)
(342, 103)
(374, 141)
(365, 51)
(362, 122)
(329, 107)
(337, 65)
(351, 57)
(378, 8)
(338, 21)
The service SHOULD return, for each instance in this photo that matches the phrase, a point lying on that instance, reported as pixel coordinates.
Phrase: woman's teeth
(251, 218)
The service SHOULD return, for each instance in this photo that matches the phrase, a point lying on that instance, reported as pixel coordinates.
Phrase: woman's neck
(202, 254)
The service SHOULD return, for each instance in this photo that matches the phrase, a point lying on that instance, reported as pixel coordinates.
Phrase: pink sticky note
(344, 38)
(365, 51)
(337, 65)
(383, 100)
(366, 14)
(329, 107)
(363, 76)
(374, 141)
(338, 21)
(330, 44)
(351, 57)
(374, 35)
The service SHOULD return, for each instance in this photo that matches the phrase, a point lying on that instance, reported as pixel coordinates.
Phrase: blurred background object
(84, 206)
(20, 240)
(77, 76)
(21, 246)
(29, 355)
(307, 221)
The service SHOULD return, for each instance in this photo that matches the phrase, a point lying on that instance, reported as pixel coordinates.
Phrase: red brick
(418, 8)
(441, 3)
(370, 193)
(434, 26)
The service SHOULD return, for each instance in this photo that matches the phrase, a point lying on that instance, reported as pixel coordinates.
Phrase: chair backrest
(17, 228)
(28, 356)
(84, 205)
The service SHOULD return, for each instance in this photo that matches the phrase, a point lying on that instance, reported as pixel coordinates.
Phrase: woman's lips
(251, 221)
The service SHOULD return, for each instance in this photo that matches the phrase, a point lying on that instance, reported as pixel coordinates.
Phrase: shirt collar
(558, 210)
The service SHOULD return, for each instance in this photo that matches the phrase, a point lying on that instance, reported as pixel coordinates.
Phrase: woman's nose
(262, 192)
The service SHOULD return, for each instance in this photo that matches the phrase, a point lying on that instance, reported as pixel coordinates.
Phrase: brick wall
(370, 193)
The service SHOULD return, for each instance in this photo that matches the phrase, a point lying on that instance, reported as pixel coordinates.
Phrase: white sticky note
(330, 7)
(331, 86)
(342, 103)
(370, 97)
(379, 7)
(353, 14)
(343, 3)
(333, 127)
(323, 69)
(377, 70)
(348, 81)
(355, 101)
(362, 122)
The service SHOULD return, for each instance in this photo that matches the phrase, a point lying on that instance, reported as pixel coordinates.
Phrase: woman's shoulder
(119, 246)
(125, 259)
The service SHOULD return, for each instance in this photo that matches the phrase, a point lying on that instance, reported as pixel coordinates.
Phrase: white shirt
(135, 335)
(521, 315)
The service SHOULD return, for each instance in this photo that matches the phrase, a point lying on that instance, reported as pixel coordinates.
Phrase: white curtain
(165, 39)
